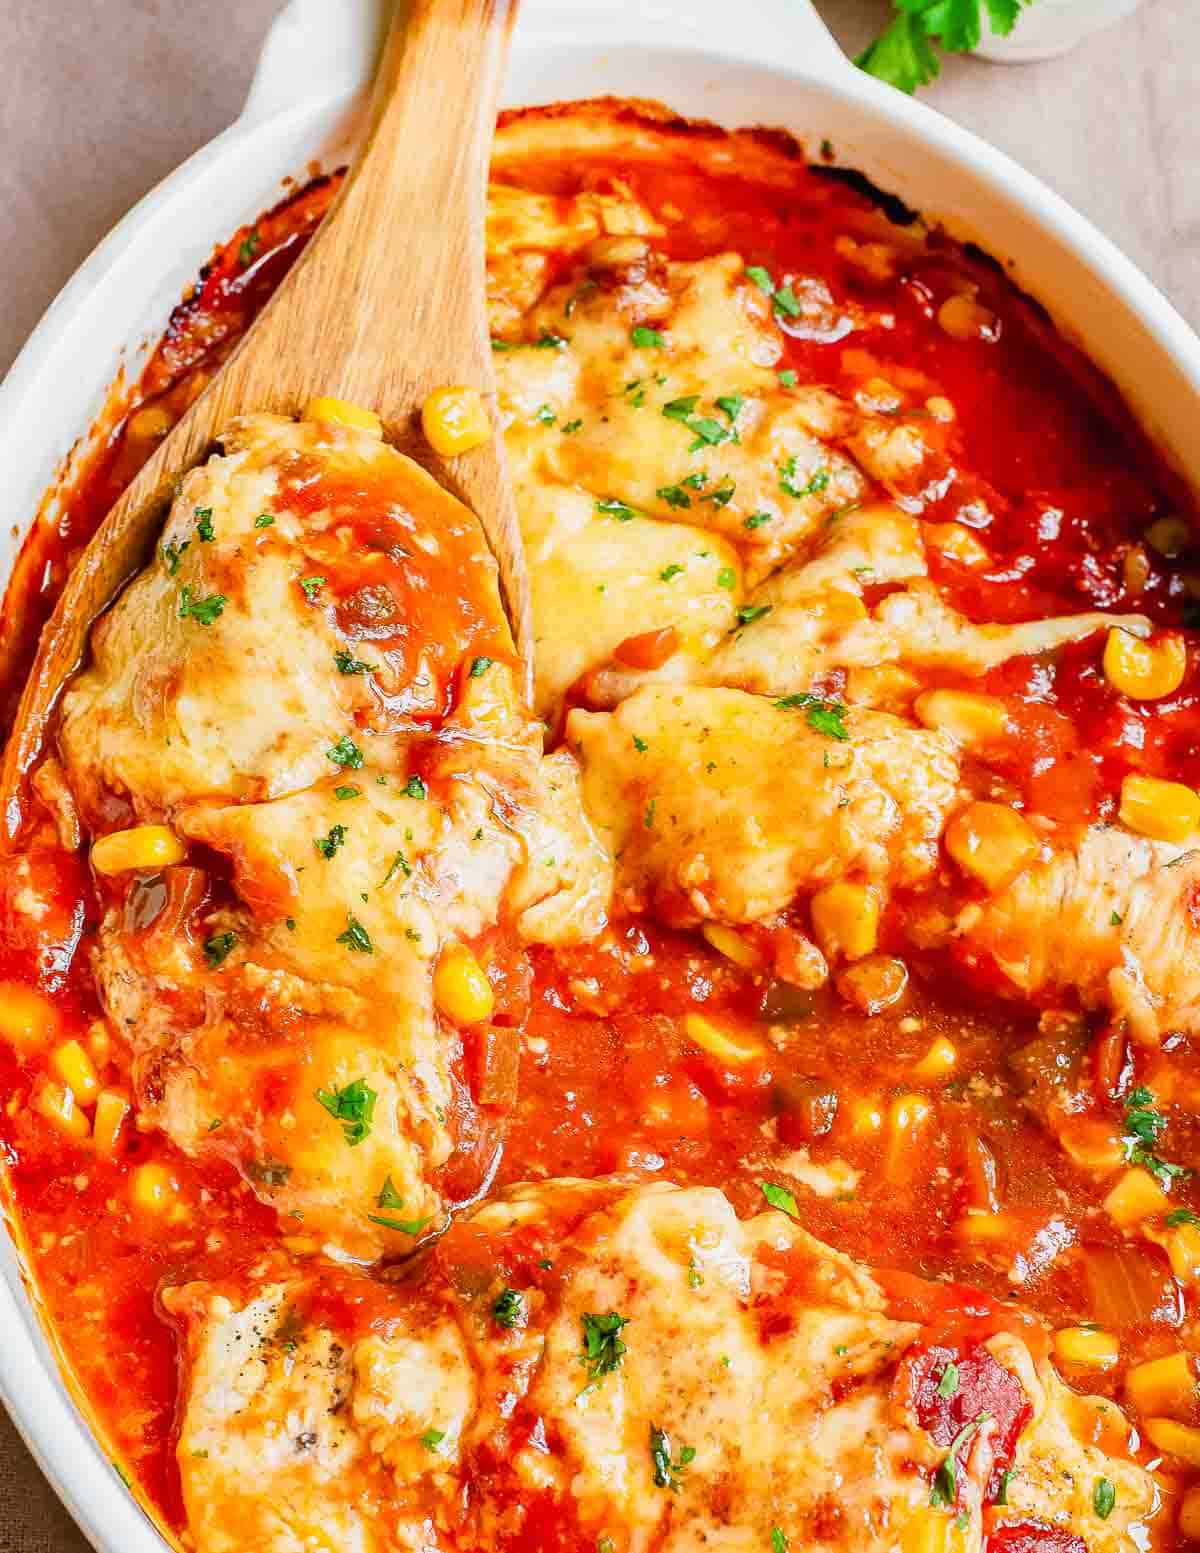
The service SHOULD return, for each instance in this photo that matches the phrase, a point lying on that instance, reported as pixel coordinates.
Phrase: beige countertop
(100, 102)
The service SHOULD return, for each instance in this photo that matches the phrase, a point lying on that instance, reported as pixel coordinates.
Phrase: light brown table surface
(99, 102)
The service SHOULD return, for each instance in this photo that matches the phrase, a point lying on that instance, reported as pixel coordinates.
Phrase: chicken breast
(1112, 919)
(592, 1363)
(723, 805)
(312, 688)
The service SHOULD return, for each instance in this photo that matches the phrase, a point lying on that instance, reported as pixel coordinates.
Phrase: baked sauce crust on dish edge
(745, 1099)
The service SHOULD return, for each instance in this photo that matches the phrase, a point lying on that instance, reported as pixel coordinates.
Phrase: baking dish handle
(316, 49)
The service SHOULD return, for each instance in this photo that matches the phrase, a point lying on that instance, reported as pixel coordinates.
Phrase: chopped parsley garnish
(948, 1385)
(217, 948)
(779, 1197)
(723, 494)
(646, 339)
(550, 342)
(353, 1105)
(1104, 1498)
(504, 345)
(945, 1480)
(1178, 1216)
(784, 301)
(173, 554)
(822, 716)
(571, 428)
(399, 864)
(668, 1469)
(1115, 919)
(707, 432)
(389, 1197)
(674, 570)
(603, 1348)
(673, 495)
(264, 520)
(415, 788)
(1006, 1478)
(648, 816)
(312, 586)
(640, 745)
(347, 663)
(508, 1308)
(479, 667)
(749, 613)
(787, 377)
(545, 415)
(204, 525)
(727, 578)
(356, 936)
(1144, 1126)
(348, 791)
(612, 508)
(432, 1438)
(757, 519)
(204, 610)
(731, 405)
(761, 278)
(779, 1542)
(346, 753)
(328, 845)
(788, 479)
(248, 246)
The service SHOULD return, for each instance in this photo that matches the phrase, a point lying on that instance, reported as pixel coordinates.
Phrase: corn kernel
(461, 989)
(992, 842)
(147, 847)
(1144, 671)
(99, 1042)
(1164, 811)
(150, 424)
(839, 608)
(732, 945)
(1189, 1514)
(878, 397)
(845, 919)
(455, 420)
(1086, 1349)
(718, 1043)
(1135, 569)
(979, 1228)
(1092, 1143)
(962, 318)
(928, 1530)
(1174, 1439)
(58, 1105)
(887, 686)
(940, 408)
(77, 1071)
(152, 1189)
(27, 1019)
(908, 1118)
(112, 1107)
(1183, 1252)
(1136, 1196)
(1166, 1385)
(957, 542)
(324, 408)
(938, 1061)
(963, 714)
(1169, 536)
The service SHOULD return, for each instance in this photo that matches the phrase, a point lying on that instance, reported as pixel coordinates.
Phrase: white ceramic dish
(773, 64)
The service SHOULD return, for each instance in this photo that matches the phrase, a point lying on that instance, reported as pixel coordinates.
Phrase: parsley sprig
(905, 55)
(1144, 1126)
(603, 1348)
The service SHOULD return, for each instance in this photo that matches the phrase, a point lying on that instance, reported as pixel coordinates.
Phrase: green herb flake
(249, 246)
(787, 377)
(668, 1468)
(172, 555)
(349, 791)
(730, 405)
(432, 1438)
(785, 301)
(646, 339)
(761, 278)
(640, 745)
(749, 613)
(264, 520)
(346, 753)
(779, 1197)
(610, 507)
(545, 415)
(648, 816)
(549, 341)
(1144, 1125)
(571, 428)
(312, 586)
(1104, 1498)
(727, 578)
(1178, 1216)
(218, 947)
(674, 570)
(788, 480)
(674, 496)
(603, 1346)
(328, 845)
(356, 936)
(945, 1480)
(508, 1308)
(948, 1384)
(347, 663)
(204, 524)
(479, 667)
(779, 1542)
(415, 788)
(1006, 1478)
(1115, 919)
(205, 610)
(757, 519)
(822, 716)
(353, 1105)
(399, 864)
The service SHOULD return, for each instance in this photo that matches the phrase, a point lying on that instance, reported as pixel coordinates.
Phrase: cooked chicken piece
(1112, 919)
(659, 398)
(928, 632)
(276, 993)
(598, 580)
(722, 805)
(591, 1360)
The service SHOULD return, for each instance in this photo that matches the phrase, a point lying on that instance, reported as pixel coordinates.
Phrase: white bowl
(769, 62)
(1052, 27)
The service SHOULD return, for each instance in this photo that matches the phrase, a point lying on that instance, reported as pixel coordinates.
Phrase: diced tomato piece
(650, 650)
(1031, 1537)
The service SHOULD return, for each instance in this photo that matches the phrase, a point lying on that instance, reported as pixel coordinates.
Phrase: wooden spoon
(385, 305)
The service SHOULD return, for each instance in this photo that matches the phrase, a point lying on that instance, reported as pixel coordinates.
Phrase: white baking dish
(765, 61)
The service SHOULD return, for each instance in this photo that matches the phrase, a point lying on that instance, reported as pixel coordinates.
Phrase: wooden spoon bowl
(385, 305)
